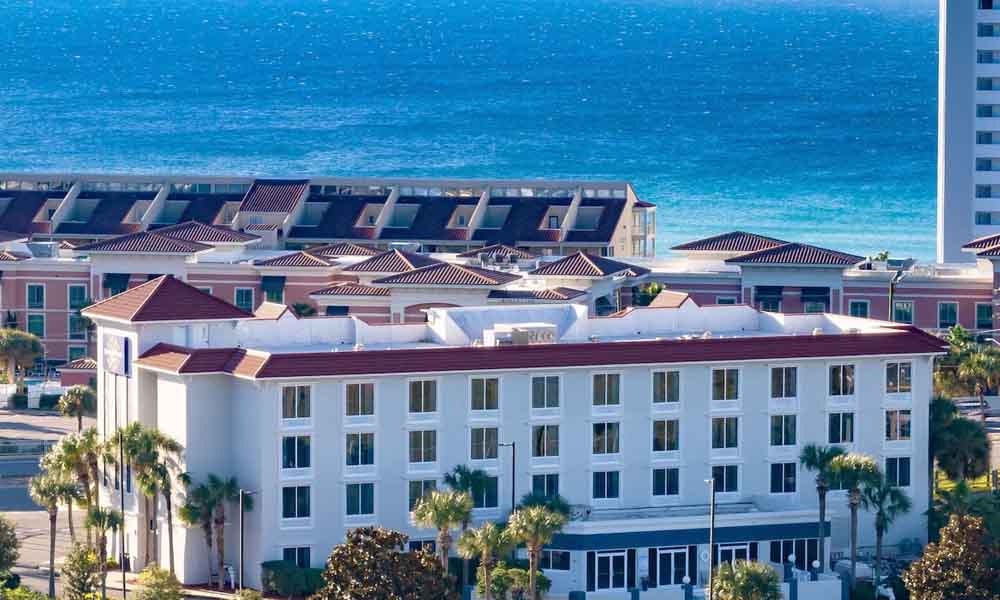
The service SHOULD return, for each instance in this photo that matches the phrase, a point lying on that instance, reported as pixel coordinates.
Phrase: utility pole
(711, 533)
(513, 472)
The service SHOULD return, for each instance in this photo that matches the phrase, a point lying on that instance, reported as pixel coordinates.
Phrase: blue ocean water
(810, 120)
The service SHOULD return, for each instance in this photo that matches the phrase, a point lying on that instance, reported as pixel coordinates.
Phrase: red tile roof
(274, 195)
(343, 249)
(351, 289)
(734, 241)
(149, 242)
(670, 299)
(582, 264)
(392, 261)
(898, 341)
(558, 294)
(497, 250)
(164, 299)
(261, 227)
(989, 252)
(297, 259)
(986, 241)
(450, 274)
(272, 311)
(81, 364)
(797, 254)
(194, 231)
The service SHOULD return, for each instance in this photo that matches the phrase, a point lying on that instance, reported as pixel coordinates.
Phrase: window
(554, 560)
(947, 315)
(205, 290)
(422, 546)
(244, 299)
(275, 295)
(337, 311)
(725, 300)
(726, 478)
(76, 352)
(545, 392)
(768, 304)
(858, 308)
(984, 110)
(545, 484)
(360, 449)
(985, 137)
(488, 496)
(671, 565)
(897, 470)
(725, 432)
(606, 389)
(984, 218)
(725, 384)
(606, 485)
(897, 425)
(295, 402)
(295, 452)
(36, 295)
(553, 222)
(360, 399)
(545, 440)
(842, 380)
(611, 571)
(782, 478)
(666, 482)
(484, 443)
(77, 327)
(782, 430)
(666, 386)
(897, 377)
(36, 325)
(666, 435)
(360, 499)
(841, 428)
(423, 396)
(295, 502)
(805, 551)
(420, 488)
(984, 316)
(784, 382)
(77, 297)
(300, 556)
(902, 311)
(423, 446)
(606, 438)
(485, 393)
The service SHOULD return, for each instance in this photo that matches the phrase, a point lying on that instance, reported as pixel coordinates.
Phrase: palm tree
(222, 492)
(79, 453)
(818, 458)
(161, 471)
(303, 309)
(443, 511)
(854, 471)
(554, 502)
(77, 401)
(197, 512)
(473, 482)
(47, 490)
(942, 412)
(486, 542)
(19, 349)
(888, 502)
(980, 369)
(535, 526)
(56, 463)
(964, 450)
(746, 580)
(103, 520)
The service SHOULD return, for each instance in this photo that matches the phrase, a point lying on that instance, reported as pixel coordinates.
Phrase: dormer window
(371, 220)
(495, 216)
(553, 221)
(461, 220)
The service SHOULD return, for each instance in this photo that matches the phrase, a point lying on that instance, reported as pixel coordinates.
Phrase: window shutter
(591, 571)
(652, 567)
(630, 558)
(693, 564)
(753, 551)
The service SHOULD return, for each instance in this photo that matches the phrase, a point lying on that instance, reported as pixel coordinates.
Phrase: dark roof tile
(165, 298)
(274, 195)
(733, 241)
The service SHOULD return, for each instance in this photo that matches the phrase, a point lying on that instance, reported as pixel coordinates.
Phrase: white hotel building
(335, 423)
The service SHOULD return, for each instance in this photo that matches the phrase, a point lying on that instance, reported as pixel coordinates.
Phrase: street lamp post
(513, 472)
(711, 533)
(244, 494)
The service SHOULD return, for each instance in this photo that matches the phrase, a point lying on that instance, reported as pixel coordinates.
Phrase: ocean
(808, 120)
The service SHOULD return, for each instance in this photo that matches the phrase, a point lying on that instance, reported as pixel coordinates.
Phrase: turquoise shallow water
(807, 120)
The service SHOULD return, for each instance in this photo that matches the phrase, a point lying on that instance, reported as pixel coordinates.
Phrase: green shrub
(286, 579)
(21, 593)
(158, 584)
(9, 581)
(48, 401)
(19, 401)
(248, 594)
(863, 591)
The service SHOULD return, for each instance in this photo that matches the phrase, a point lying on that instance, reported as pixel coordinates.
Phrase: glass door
(672, 566)
(733, 552)
(611, 571)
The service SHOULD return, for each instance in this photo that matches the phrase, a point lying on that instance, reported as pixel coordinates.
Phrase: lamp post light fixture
(244, 494)
(513, 472)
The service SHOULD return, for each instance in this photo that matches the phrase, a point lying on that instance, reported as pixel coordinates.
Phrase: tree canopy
(964, 564)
